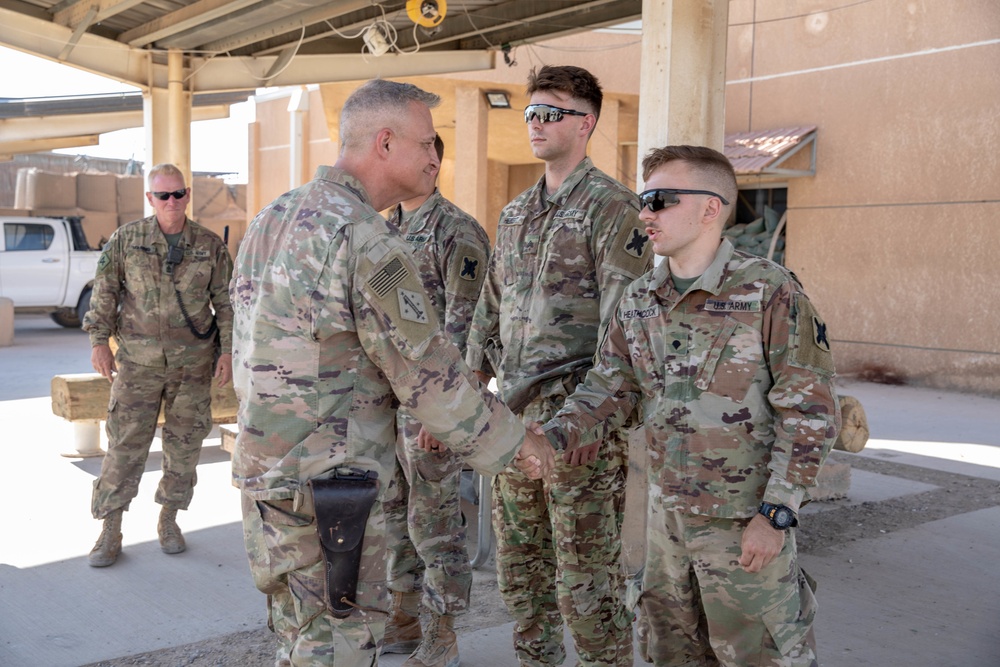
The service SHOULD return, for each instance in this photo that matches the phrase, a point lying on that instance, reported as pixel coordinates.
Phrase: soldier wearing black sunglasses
(732, 367)
(162, 291)
(566, 248)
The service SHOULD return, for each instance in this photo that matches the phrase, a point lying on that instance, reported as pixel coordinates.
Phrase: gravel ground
(957, 494)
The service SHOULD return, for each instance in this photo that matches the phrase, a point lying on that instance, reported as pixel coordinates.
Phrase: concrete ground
(926, 596)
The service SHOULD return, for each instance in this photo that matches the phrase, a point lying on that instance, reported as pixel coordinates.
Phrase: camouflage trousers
(558, 557)
(136, 395)
(425, 529)
(287, 564)
(703, 610)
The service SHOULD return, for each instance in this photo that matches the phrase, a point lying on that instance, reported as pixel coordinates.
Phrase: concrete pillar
(298, 138)
(167, 121)
(683, 83)
(6, 322)
(604, 143)
(683, 74)
(471, 162)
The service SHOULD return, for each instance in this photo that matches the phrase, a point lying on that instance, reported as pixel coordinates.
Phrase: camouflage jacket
(134, 298)
(452, 249)
(333, 331)
(559, 266)
(736, 381)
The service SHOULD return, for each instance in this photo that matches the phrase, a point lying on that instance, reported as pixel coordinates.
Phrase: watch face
(783, 517)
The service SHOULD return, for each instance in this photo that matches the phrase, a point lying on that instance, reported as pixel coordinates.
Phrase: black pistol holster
(342, 505)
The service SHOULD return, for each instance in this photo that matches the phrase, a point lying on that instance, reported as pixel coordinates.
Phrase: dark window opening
(756, 222)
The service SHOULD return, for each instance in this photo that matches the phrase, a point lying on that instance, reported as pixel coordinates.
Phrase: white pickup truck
(46, 266)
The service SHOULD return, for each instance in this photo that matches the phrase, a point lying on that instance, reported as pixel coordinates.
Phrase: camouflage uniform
(560, 264)
(158, 358)
(427, 550)
(735, 378)
(333, 331)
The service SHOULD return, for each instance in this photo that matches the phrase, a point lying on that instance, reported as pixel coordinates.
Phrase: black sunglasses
(176, 194)
(660, 198)
(546, 113)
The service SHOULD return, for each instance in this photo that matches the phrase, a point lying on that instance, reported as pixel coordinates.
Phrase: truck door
(34, 262)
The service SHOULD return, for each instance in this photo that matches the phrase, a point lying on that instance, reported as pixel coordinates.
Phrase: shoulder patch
(412, 306)
(812, 342)
(630, 250)
(469, 264)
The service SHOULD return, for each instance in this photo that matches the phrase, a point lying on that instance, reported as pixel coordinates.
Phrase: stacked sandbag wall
(106, 201)
(756, 237)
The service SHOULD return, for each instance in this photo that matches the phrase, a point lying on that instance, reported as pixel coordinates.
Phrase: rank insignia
(411, 306)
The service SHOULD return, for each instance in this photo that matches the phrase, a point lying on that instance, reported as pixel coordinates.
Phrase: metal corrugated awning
(762, 153)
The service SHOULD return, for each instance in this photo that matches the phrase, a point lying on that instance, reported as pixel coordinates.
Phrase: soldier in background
(425, 529)
(732, 366)
(566, 248)
(162, 291)
(333, 331)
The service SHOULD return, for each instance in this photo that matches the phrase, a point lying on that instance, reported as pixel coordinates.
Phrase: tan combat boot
(402, 630)
(109, 544)
(439, 648)
(171, 540)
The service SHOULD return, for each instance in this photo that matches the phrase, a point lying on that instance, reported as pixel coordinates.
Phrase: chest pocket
(517, 249)
(568, 266)
(732, 361)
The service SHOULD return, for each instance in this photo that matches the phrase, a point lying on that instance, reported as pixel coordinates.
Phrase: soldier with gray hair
(333, 331)
(161, 291)
(732, 365)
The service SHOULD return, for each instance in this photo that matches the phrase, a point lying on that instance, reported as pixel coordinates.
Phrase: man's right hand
(536, 458)
(103, 361)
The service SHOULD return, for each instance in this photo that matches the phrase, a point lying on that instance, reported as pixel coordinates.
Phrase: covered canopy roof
(240, 44)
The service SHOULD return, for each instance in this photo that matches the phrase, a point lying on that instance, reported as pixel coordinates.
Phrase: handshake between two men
(536, 458)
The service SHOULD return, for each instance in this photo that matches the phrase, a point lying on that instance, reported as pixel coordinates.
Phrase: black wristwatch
(780, 516)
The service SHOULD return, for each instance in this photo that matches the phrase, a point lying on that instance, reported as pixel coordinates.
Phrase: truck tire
(84, 305)
(66, 317)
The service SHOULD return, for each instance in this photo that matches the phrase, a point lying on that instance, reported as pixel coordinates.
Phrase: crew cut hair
(574, 81)
(705, 161)
(377, 104)
(163, 169)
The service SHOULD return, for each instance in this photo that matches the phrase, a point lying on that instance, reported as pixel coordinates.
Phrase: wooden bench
(82, 398)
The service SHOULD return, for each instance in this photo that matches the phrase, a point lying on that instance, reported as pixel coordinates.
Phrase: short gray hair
(376, 104)
(163, 169)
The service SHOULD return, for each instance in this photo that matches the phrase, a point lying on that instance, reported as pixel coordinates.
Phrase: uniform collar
(710, 281)
(340, 177)
(559, 197)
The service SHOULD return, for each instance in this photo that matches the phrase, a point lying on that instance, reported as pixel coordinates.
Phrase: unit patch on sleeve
(812, 344)
(412, 306)
(470, 268)
(636, 244)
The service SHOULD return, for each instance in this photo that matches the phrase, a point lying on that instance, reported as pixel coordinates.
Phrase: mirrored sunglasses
(660, 198)
(176, 194)
(546, 113)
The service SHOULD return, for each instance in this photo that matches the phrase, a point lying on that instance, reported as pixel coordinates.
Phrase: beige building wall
(895, 236)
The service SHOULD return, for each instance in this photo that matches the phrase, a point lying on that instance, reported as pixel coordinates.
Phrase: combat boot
(109, 544)
(402, 630)
(171, 540)
(439, 647)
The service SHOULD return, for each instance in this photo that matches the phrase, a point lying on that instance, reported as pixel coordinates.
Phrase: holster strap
(342, 504)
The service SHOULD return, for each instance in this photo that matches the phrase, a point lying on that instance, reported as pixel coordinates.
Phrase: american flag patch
(388, 277)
